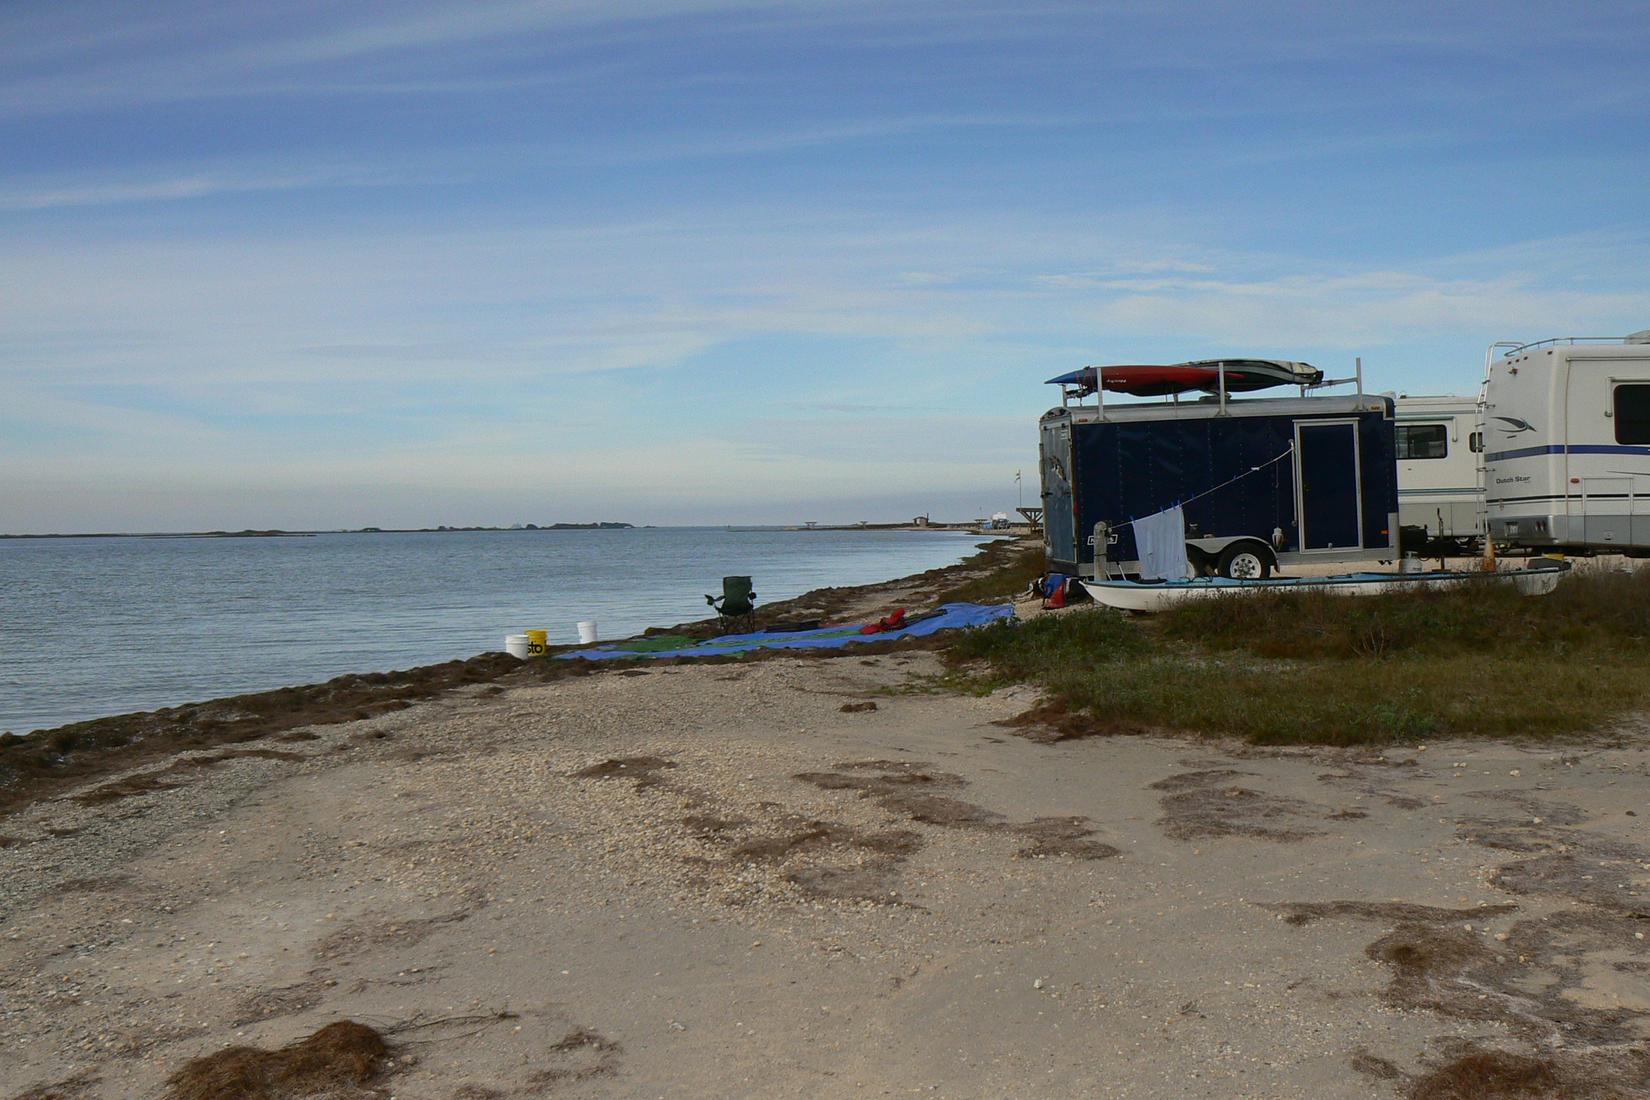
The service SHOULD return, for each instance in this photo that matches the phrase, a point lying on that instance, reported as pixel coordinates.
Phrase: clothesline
(1222, 485)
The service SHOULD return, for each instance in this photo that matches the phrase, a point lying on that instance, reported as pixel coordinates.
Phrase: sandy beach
(830, 877)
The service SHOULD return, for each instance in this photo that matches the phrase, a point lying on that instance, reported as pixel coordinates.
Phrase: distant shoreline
(968, 527)
(276, 533)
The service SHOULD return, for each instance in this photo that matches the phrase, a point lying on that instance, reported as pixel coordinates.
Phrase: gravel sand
(742, 880)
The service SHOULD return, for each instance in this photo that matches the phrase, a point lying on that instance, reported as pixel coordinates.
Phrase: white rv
(1440, 486)
(1567, 443)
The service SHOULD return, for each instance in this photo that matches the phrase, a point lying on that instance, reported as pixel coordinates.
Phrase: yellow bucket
(537, 642)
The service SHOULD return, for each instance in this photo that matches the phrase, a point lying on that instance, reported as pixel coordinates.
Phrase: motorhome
(1440, 443)
(1262, 482)
(1567, 443)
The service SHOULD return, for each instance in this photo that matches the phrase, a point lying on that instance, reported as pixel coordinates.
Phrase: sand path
(750, 891)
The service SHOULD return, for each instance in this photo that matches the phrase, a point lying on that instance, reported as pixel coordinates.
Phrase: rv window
(1633, 414)
(1423, 441)
(1475, 443)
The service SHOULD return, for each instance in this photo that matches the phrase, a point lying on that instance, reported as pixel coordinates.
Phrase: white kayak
(1157, 595)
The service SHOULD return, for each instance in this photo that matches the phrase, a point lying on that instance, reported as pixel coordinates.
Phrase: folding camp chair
(736, 604)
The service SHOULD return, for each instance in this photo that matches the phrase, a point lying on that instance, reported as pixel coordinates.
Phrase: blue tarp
(953, 616)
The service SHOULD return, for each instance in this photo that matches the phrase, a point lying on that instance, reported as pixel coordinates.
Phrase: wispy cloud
(1353, 310)
(26, 197)
(781, 138)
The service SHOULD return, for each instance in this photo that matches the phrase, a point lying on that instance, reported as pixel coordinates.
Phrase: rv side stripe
(1574, 449)
(1562, 499)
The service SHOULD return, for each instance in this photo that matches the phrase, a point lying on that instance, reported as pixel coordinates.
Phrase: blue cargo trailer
(1263, 482)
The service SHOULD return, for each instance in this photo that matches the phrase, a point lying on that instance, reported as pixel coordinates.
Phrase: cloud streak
(180, 188)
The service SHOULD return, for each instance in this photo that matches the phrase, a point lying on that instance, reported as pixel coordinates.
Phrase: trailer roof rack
(1513, 348)
(1087, 382)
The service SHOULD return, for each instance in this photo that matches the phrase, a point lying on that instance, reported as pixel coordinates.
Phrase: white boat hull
(1156, 596)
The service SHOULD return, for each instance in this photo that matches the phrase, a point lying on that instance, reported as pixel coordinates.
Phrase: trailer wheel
(1245, 563)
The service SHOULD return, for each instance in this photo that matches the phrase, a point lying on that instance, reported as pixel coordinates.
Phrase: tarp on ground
(952, 616)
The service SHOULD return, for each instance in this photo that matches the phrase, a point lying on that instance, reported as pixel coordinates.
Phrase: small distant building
(810, 524)
(919, 521)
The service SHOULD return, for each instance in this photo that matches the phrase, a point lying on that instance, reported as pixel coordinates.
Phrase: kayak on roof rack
(1162, 380)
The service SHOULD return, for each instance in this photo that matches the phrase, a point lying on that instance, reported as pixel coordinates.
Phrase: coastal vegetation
(1002, 569)
(1304, 668)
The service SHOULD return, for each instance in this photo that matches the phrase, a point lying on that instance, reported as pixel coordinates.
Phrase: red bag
(892, 621)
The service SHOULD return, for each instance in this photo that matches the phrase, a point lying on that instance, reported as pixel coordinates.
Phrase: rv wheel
(1245, 563)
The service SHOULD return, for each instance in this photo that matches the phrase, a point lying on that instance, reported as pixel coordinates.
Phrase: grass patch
(954, 681)
(1010, 567)
(1315, 669)
(1590, 612)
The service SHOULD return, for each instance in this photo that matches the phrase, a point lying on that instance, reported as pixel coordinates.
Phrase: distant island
(247, 534)
(606, 525)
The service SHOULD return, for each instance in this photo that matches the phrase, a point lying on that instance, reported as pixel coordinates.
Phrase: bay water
(91, 627)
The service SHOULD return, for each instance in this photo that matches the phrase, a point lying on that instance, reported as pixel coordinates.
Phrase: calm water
(92, 627)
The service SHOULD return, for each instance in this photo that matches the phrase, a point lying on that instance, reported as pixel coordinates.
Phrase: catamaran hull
(1150, 596)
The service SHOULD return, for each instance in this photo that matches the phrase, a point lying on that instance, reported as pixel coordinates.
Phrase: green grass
(1011, 569)
(1314, 669)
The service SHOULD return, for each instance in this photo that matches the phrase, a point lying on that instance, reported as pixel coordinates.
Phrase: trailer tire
(1245, 561)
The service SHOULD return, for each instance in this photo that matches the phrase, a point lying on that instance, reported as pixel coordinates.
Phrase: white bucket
(587, 632)
(1411, 564)
(516, 645)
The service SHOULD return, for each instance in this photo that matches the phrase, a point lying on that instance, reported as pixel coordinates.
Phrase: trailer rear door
(1059, 516)
(1326, 469)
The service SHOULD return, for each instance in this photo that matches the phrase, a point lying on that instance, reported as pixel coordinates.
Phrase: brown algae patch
(1535, 981)
(41, 764)
(286, 1001)
(1305, 912)
(353, 939)
(909, 789)
(69, 1088)
(642, 770)
(164, 779)
(1532, 808)
(580, 1055)
(827, 860)
(741, 857)
(1595, 871)
(1486, 1073)
(1062, 836)
(816, 835)
(1206, 804)
(335, 1061)
(1430, 969)
(1052, 722)
(1553, 982)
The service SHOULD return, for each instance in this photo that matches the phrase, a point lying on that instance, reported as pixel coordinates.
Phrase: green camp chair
(737, 603)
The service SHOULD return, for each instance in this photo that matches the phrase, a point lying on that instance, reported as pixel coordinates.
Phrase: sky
(314, 265)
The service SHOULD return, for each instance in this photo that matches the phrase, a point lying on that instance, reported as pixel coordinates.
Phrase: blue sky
(320, 264)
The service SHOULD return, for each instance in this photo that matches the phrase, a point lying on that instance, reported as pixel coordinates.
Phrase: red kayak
(1161, 380)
